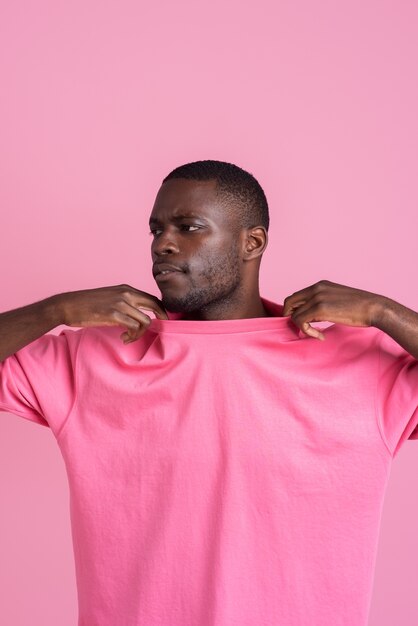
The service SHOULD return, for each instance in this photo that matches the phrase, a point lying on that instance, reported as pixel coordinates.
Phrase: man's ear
(256, 241)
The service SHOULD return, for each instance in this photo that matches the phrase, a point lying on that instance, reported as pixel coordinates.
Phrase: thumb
(312, 332)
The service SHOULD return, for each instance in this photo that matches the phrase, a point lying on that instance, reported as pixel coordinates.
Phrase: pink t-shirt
(221, 473)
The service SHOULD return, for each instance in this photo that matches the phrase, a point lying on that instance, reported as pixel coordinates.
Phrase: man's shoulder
(353, 337)
(68, 338)
(96, 336)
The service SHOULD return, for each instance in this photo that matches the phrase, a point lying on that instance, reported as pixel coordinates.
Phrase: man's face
(192, 230)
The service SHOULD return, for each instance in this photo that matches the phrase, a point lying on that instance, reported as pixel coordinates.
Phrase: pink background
(100, 100)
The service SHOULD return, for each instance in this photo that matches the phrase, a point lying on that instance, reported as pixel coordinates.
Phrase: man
(228, 465)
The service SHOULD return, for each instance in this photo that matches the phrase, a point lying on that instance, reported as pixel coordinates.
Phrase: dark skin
(327, 301)
(221, 271)
(219, 280)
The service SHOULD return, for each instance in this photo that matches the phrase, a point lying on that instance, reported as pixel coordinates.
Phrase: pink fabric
(222, 472)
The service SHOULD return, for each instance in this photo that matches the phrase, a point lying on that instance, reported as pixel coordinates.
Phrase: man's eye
(154, 230)
(189, 226)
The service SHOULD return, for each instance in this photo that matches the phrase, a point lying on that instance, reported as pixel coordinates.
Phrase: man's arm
(331, 302)
(22, 326)
(399, 322)
(117, 305)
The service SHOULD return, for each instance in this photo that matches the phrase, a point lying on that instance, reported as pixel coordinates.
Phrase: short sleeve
(38, 382)
(397, 393)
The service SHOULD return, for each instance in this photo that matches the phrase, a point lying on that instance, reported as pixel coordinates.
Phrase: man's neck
(228, 310)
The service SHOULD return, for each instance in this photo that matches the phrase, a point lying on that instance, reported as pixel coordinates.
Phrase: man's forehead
(178, 198)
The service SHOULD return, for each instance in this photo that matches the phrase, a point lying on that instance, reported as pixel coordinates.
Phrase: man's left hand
(331, 302)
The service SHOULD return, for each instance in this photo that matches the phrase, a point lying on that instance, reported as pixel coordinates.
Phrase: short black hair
(239, 190)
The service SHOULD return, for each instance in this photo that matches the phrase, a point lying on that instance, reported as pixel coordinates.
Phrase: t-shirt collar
(283, 325)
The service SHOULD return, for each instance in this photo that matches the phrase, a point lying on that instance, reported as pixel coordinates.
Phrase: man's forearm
(22, 326)
(399, 322)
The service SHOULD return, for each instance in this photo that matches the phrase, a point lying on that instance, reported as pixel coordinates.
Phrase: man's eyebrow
(177, 218)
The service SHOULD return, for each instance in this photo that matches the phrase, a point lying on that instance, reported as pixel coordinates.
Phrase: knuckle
(320, 310)
(156, 301)
(124, 289)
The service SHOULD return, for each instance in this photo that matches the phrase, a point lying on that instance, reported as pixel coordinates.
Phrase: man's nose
(166, 241)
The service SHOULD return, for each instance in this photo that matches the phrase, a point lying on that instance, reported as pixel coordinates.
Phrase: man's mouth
(165, 271)
(166, 274)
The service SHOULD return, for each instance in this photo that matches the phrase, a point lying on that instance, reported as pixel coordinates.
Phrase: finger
(142, 318)
(136, 322)
(159, 312)
(304, 295)
(305, 314)
(154, 305)
(291, 306)
(312, 332)
(296, 299)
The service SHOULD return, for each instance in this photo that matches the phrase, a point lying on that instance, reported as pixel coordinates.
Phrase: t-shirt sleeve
(38, 382)
(397, 393)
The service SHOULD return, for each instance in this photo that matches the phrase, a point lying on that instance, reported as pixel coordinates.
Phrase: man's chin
(175, 304)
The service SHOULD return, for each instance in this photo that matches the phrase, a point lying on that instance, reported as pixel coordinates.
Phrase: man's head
(210, 219)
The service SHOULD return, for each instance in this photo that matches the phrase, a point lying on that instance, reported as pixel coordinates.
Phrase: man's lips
(170, 274)
(162, 271)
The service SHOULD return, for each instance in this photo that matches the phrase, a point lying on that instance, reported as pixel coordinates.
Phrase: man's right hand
(110, 306)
